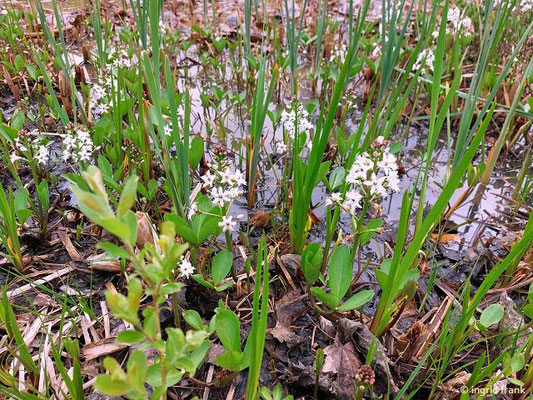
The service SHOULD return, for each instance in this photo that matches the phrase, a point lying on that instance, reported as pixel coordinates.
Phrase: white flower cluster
(521, 7)
(457, 21)
(525, 6)
(426, 59)
(43, 155)
(372, 176)
(186, 268)
(100, 96)
(100, 92)
(338, 52)
(121, 58)
(296, 119)
(280, 147)
(39, 150)
(77, 145)
(225, 186)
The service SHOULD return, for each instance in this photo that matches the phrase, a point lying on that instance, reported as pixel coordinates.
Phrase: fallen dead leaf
(284, 312)
(341, 359)
(446, 237)
(260, 219)
(101, 348)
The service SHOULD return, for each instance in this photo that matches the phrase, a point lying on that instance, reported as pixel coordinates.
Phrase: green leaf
(108, 386)
(152, 189)
(395, 147)
(183, 228)
(340, 272)
(22, 210)
(196, 151)
(172, 287)
(231, 360)
(370, 231)
(341, 142)
(221, 266)
(491, 315)
(265, 393)
(92, 205)
(327, 298)
(528, 311)
(114, 250)
(193, 318)
(228, 328)
(323, 169)
(357, 300)
(200, 279)
(154, 379)
(517, 362)
(311, 262)
(515, 381)
(129, 337)
(336, 178)
(224, 286)
(130, 220)
(209, 226)
(312, 105)
(116, 227)
(43, 194)
(128, 195)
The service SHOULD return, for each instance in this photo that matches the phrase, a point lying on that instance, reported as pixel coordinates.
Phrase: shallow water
(480, 213)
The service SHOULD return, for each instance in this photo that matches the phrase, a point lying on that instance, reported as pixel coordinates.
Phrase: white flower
(376, 185)
(19, 145)
(458, 21)
(102, 108)
(208, 179)
(227, 223)
(77, 145)
(233, 193)
(281, 148)
(333, 198)
(85, 145)
(360, 168)
(14, 157)
(219, 196)
(454, 15)
(167, 130)
(296, 119)
(353, 200)
(226, 177)
(237, 178)
(193, 209)
(43, 155)
(186, 268)
(97, 93)
(388, 163)
(393, 182)
(467, 24)
(426, 58)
